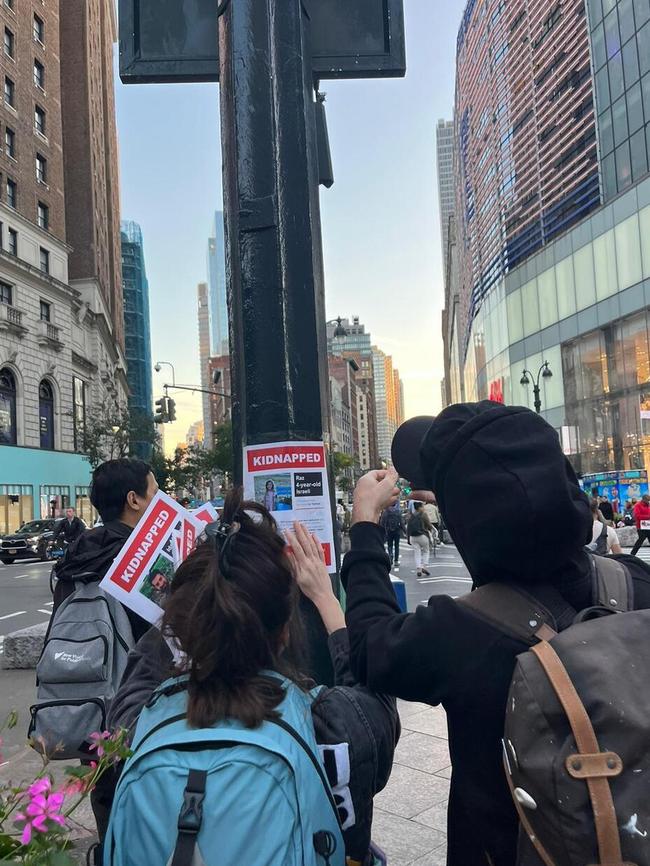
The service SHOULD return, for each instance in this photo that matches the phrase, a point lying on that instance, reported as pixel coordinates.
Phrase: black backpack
(392, 520)
(415, 526)
(576, 742)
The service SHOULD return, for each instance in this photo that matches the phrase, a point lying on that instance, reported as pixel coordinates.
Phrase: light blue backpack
(226, 795)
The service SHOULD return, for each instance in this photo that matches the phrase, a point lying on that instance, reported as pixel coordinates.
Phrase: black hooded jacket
(516, 512)
(88, 559)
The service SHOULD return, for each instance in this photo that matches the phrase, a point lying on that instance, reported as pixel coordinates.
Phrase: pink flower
(96, 742)
(40, 786)
(74, 786)
(40, 810)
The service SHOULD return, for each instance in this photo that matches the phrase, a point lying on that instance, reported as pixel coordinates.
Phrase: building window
(46, 414)
(12, 192)
(43, 216)
(45, 266)
(16, 506)
(79, 404)
(7, 408)
(41, 168)
(39, 29)
(46, 312)
(9, 43)
(10, 91)
(13, 242)
(39, 120)
(39, 74)
(6, 293)
(10, 142)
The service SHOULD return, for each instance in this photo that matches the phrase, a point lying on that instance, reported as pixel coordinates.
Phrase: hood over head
(508, 494)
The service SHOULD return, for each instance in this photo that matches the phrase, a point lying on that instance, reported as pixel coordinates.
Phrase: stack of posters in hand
(141, 575)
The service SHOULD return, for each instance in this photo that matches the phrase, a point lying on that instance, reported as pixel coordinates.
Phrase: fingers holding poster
(290, 480)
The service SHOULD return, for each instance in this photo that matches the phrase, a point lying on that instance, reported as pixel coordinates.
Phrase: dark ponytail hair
(229, 618)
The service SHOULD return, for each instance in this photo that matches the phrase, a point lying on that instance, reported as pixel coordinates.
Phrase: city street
(25, 594)
(448, 575)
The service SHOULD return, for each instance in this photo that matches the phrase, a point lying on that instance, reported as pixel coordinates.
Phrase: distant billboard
(176, 40)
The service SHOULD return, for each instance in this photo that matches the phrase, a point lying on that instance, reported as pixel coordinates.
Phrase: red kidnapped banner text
(286, 457)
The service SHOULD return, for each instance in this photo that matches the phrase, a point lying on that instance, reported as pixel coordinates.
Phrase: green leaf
(59, 858)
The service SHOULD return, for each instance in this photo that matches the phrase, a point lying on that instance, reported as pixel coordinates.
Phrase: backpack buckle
(190, 817)
(191, 814)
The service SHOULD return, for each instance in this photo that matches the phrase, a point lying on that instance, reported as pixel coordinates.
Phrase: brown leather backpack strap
(513, 611)
(609, 843)
(613, 587)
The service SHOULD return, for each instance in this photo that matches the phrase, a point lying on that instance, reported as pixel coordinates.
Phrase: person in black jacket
(532, 534)
(221, 624)
(70, 528)
(121, 491)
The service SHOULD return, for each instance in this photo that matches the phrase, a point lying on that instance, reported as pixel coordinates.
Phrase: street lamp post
(161, 364)
(544, 372)
(340, 330)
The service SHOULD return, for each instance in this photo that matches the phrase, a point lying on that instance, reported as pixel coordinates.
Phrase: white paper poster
(290, 479)
(142, 572)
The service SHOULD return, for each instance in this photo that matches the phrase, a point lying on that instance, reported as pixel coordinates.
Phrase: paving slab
(404, 841)
(415, 799)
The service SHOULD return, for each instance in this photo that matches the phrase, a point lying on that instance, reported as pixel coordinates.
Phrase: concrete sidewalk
(410, 821)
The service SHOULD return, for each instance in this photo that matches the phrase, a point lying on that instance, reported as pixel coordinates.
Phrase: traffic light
(171, 410)
(162, 411)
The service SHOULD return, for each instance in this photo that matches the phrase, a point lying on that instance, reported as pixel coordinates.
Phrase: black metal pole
(273, 242)
(537, 393)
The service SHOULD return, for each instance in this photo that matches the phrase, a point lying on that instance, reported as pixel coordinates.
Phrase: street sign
(176, 40)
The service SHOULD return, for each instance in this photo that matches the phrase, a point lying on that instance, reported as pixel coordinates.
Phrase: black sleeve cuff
(367, 545)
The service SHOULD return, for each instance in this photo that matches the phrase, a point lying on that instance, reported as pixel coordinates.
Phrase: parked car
(32, 541)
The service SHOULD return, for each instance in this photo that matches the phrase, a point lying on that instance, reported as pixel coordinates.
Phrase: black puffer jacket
(88, 559)
(355, 728)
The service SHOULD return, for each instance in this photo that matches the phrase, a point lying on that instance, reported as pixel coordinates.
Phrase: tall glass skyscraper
(217, 299)
(137, 325)
(553, 218)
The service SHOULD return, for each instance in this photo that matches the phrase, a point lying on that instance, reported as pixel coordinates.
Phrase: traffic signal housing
(162, 411)
(171, 410)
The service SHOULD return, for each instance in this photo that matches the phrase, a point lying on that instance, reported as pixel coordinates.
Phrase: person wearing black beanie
(515, 510)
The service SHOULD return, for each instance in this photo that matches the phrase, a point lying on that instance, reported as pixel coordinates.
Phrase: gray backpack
(79, 672)
(599, 546)
(577, 731)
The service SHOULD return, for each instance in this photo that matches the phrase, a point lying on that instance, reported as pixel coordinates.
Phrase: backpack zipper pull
(325, 845)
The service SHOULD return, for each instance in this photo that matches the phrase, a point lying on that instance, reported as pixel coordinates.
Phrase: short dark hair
(113, 481)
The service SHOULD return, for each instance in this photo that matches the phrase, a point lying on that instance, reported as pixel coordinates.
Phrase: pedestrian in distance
(642, 520)
(606, 509)
(268, 752)
(419, 531)
(604, 538)
(70, 528)
(456, 653)
(392, 523)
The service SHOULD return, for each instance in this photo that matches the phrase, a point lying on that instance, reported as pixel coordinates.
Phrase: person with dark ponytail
(232, 639)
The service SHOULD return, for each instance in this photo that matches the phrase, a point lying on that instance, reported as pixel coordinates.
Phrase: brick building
(88, 33)
(61, 324)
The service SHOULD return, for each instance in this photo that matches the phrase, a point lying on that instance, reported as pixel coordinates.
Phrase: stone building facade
(61, 320)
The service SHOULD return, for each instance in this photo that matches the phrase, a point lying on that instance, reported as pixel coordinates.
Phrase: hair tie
(223, 534)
